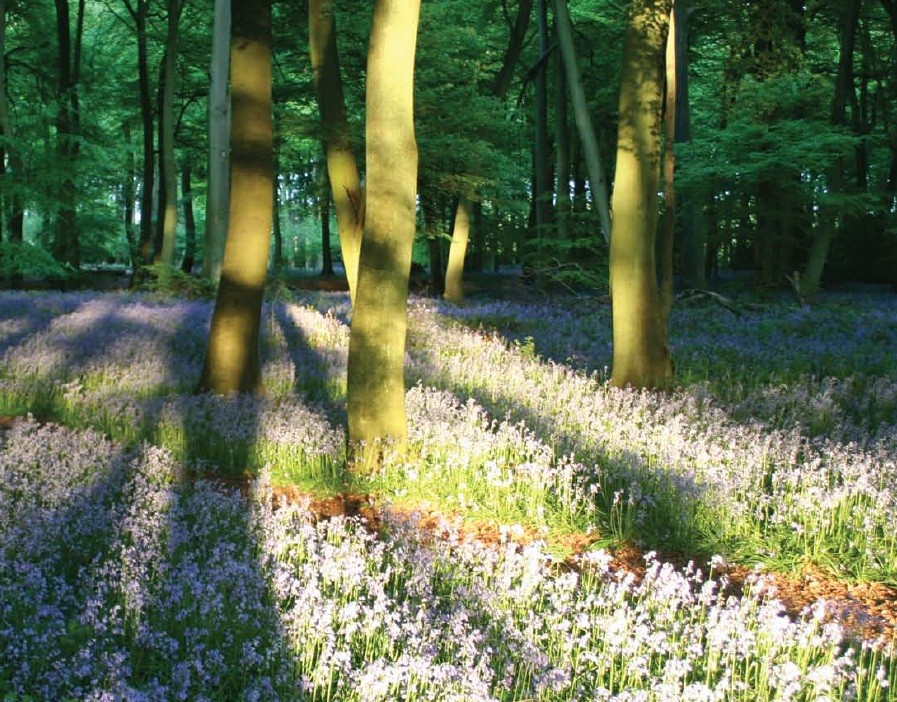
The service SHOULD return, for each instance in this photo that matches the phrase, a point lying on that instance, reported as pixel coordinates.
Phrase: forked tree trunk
(342, 169)
(217, 199)
(376, 380)
(232, 358)
(641, 355)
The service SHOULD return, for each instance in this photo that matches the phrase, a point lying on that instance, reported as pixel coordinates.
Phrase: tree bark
(342, 169)
(139, 14)
(562, 149)
(641, 355)
(454, 272)
(667, 236)
(376, 385)
(232, 361)
(324, 209)
(217, 198)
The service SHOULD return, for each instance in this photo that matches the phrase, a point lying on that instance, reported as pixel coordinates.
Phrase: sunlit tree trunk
(232, 357)
(342, 169)
(454, 272)
(376, 384)
(218, 194)
(641, 355)
(166, 145)
(667, 233)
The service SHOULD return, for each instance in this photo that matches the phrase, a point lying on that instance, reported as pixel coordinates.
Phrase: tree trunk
(812, 276)
(541, 142)
(14, 209)
(641, 355)
(345, 184)
(217, 198)
(376, 385)
(166, 141)
(189, 220)
(667, 235)
(516, 40)
(598, 181)
(454, 272)
(277, 264)
(562, 150)
(232, 359)
(146, 114)
(324, 205)
(128, 195)
(66, 245)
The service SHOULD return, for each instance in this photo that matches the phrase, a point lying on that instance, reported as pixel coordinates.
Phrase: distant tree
(641, 353)
(376, 384)
(232, 358)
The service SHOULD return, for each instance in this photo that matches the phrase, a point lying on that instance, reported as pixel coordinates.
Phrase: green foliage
(23, 260)
(168, 281)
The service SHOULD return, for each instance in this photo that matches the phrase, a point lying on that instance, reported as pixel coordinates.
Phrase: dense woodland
(219, 486)
(785, 140)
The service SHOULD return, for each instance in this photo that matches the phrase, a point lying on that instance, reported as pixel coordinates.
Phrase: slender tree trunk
(326, 256)
(345, 184)
(189, 219)
(376, 385)
(232, 359)
(129, 196)
(502, 81)
(667, 235)
(217, 199)
(454, 272)
(66, 245)
(277, 264)
(166, 141)
(597, 179)
(812, 276)
(562, 150)
(641, 354)
(146, 114)
(14, 209)
(541, 142)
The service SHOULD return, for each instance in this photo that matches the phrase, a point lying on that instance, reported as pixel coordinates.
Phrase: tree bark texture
(376, 385)
(641, 356)
(189, 219)
(232, 358)
(14, 210)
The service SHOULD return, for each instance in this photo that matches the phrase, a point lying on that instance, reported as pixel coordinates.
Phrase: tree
(342, 169)
(166, 142)
(232, 358)
(641, 355)
(217, 201)
(376, 383)
(14, 210)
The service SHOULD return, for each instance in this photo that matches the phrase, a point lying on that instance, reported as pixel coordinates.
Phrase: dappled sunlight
(162, 558)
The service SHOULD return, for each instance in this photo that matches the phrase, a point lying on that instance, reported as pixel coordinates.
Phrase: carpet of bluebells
(128, 571)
